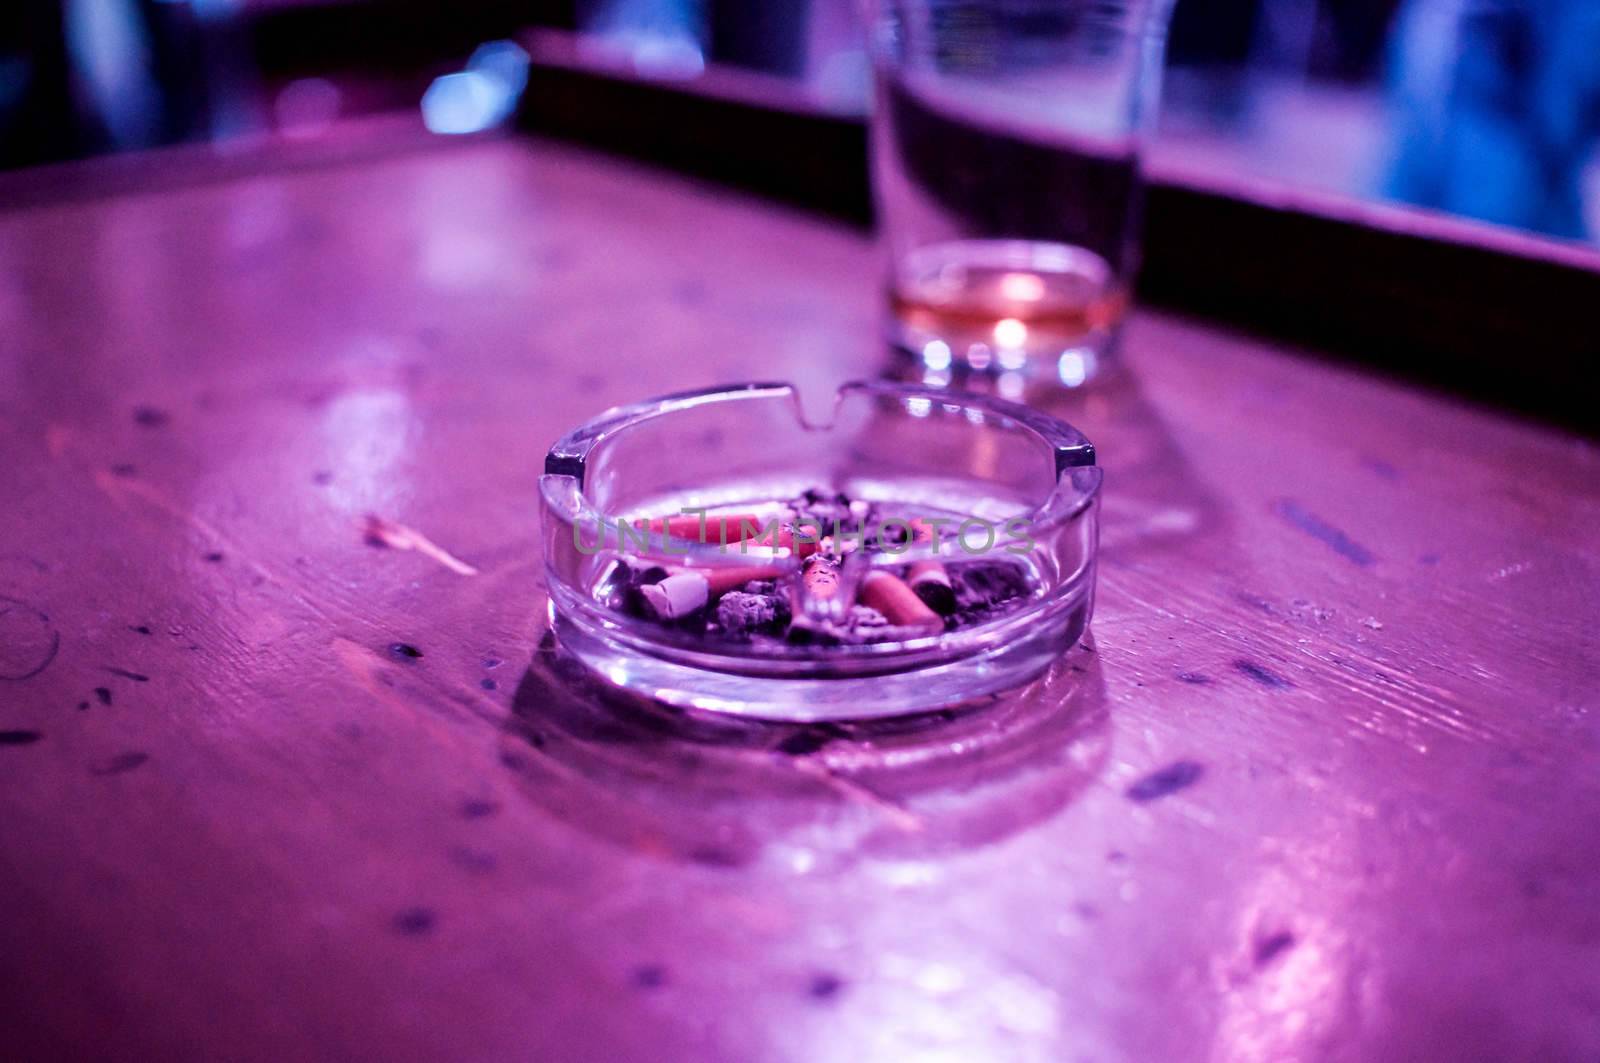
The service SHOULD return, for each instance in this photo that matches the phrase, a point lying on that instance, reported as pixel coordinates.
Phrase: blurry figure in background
(770, 37)
(678, 37)
(1497, 107)
(836, 67)
(1209, 48)
(82, 76)
(662, 38)
(40, 118)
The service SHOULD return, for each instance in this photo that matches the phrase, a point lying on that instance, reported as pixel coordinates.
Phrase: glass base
(1013, 658)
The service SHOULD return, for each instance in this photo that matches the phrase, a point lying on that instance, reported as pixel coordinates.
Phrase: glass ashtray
(720, 550)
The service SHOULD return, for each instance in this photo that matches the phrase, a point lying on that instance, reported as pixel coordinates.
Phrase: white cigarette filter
(678, 595)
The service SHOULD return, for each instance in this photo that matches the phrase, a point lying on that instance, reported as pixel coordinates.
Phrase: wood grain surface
(1323, 786)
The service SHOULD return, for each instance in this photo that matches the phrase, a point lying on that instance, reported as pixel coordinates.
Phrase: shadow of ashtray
(730, 792)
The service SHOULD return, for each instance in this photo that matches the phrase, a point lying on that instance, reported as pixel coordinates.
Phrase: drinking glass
(1006, 142)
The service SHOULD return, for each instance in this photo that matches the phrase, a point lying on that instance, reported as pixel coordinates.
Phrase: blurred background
(1481, 108)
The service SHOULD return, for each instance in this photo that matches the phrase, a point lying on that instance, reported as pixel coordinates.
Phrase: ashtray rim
(1078, 482)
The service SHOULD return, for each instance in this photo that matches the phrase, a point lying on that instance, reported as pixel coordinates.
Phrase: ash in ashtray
(849, 588)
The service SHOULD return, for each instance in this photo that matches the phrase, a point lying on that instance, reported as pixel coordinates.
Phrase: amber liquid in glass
(1005, 303)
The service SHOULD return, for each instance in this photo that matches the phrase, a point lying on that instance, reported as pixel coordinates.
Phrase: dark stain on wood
(1298, 516)
(151, 417)
(215, 557)
(124, 470)
(715, 856)
(477, 861)
(125, 674)
(405, 651)
(1195, 678)
(1178, 775)
(1272, 946)
(140, 628)
(414, 922)
(1381, 468)
(488, 684)
(824, 985)
(116, 765)
(478, 808)
(19, 738)
(1261, 675)
(648, 976)
(104, 694)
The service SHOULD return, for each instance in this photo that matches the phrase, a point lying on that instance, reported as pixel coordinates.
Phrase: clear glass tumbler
(1006, 163)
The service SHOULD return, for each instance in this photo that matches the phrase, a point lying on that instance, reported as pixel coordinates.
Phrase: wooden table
(1324, 787)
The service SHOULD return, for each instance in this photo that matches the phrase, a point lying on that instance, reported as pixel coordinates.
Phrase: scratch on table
(901, 817)
(121, 491)
(380, 532)
(28, 669)
(1404, 698)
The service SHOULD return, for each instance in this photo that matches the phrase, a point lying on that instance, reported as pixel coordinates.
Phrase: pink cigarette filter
(787, 537)
(747, 530)
(727, 528)
(900, 605)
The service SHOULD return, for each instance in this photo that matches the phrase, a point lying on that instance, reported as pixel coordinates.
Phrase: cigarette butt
(889, 595)
(821, 577)
(931, 583)
(788, 538)
(676, 596)
(727, 528)
(803, 545)
(928, 577)
(687, 590)
(723, 580)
